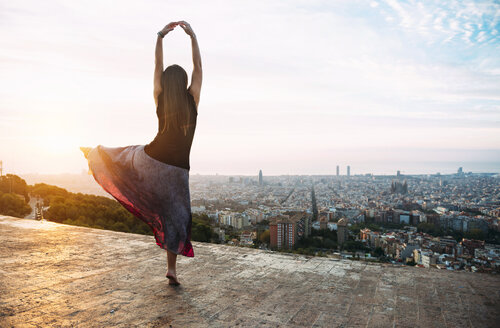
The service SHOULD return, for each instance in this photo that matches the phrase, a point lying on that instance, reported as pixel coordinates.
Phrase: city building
(246, 238)
(342, 232)
(260, 178)
(470, 245)
(304, 225)
(348, 170)
(449, 203)
(285, 230)
(323, 222)
(427, 259)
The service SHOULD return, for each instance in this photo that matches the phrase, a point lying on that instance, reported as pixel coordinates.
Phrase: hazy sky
(290, 87)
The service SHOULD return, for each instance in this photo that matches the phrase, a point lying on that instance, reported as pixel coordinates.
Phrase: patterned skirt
(155, 192)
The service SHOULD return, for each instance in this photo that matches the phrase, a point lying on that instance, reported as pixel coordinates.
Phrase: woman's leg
(171, 270)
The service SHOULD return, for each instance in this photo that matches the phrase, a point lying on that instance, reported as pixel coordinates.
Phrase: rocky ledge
(61, 276)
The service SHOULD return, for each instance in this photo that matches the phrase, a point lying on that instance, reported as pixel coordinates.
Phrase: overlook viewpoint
(60, 275)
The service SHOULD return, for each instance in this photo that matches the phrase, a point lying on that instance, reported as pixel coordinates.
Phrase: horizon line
(288, 174)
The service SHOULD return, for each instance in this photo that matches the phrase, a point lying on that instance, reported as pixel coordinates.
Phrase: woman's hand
(169, 27)
(187, 28)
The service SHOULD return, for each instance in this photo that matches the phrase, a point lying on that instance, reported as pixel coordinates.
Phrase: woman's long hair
(176, 102)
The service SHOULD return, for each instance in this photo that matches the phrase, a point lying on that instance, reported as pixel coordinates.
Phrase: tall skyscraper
(260, 178)
(338, 170)
(348, 170)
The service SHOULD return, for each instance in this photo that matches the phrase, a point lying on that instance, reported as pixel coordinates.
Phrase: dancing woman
(152, 181)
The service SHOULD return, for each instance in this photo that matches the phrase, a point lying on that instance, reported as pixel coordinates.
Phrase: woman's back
(173, 146)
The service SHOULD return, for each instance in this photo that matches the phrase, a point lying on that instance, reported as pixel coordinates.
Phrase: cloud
(450, 20)
(279, 76)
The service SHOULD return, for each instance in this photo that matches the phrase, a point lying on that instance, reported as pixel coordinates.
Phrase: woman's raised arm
(197, 76)
(157, 89)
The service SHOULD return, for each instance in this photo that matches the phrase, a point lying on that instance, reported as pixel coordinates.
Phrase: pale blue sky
(292, 87)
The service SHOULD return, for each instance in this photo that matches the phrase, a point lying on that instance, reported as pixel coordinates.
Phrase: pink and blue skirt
(155, 192)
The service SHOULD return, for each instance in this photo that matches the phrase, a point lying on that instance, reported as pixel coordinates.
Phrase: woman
(152, 181)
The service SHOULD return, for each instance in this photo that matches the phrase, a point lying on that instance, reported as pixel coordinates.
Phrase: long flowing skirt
(155, 192)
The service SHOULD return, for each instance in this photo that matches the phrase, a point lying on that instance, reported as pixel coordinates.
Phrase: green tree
(352, 245)
(378, 252)
(265, 237)
(11, 183)
(201, 232)
(88, 210)
(13, 205)
(429, 228)
(475, 234)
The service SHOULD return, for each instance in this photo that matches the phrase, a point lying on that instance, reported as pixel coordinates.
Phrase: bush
(13, 205)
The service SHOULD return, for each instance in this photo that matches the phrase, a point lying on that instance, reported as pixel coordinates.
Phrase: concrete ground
(55, 275)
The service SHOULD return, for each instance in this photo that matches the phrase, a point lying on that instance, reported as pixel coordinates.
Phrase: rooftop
(59, 275)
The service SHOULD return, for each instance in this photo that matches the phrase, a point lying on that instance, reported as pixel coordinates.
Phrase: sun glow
(59, 144)
(391, 82)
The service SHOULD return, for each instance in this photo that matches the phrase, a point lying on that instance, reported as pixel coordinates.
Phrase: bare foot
(172, 279)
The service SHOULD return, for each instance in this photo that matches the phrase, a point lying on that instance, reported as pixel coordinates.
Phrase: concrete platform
(61, 276)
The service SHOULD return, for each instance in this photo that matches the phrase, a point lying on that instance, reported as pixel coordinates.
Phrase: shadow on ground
(59, 275)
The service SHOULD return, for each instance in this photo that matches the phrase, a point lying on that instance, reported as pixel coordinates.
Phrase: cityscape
(404, 244)
(441, 221)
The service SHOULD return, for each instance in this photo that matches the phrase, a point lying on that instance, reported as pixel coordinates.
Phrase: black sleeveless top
(172, 146)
